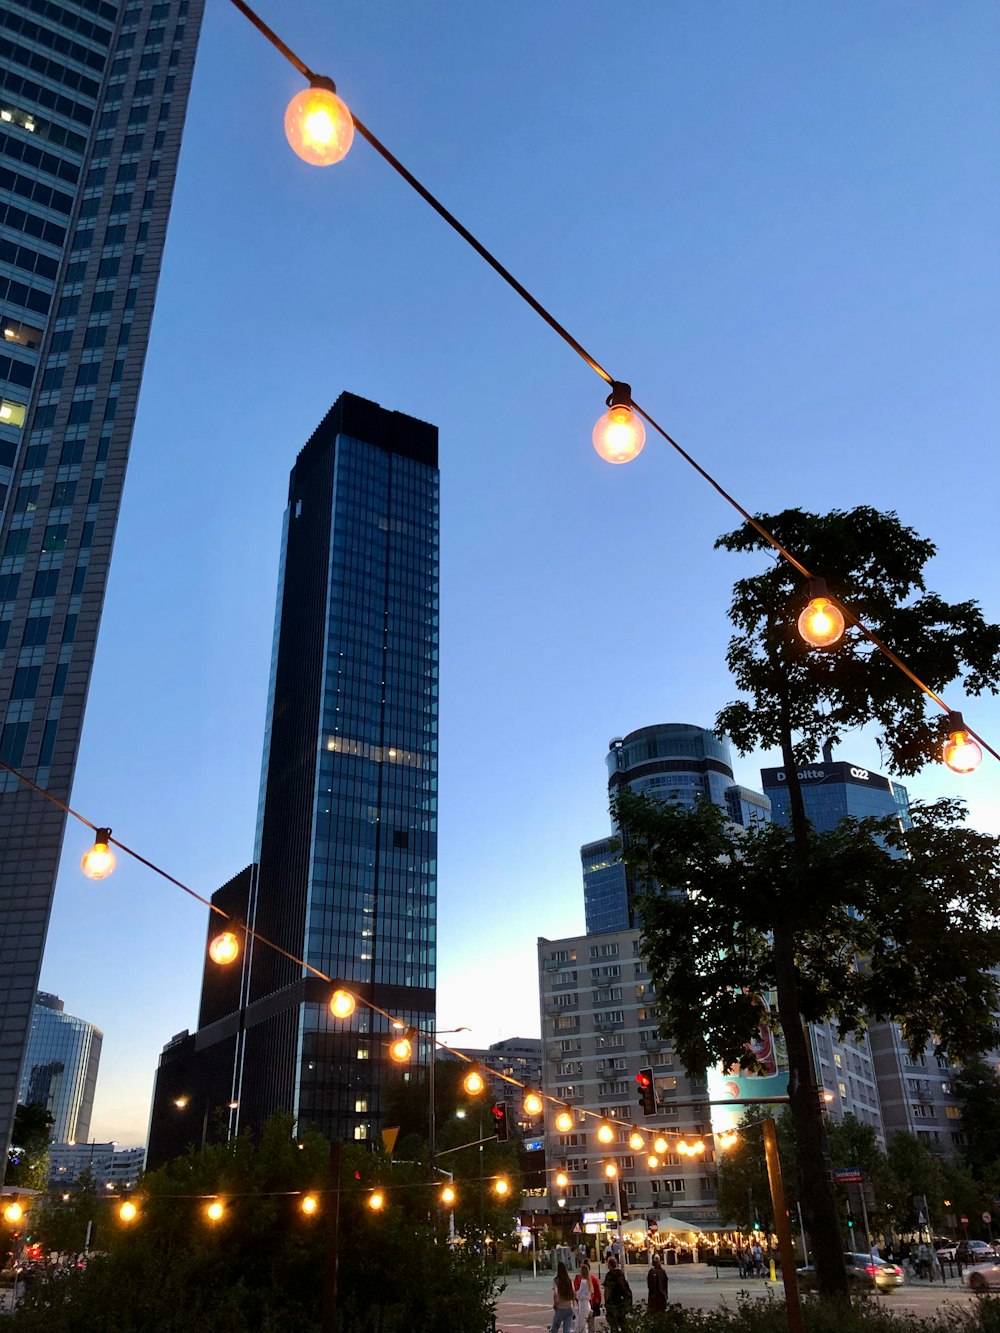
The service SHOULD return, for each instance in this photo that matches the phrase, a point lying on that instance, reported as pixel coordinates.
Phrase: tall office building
(672, 761)
(92, 101)
(60, 1069)
(345, 872)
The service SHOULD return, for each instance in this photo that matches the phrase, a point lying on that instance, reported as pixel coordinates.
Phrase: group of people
(577, 1301)
(750, 1259)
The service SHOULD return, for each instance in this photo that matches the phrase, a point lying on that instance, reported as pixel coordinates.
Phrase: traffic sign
(578, 1230)
(844, 1175)
(964, 1221)
(987, 1218)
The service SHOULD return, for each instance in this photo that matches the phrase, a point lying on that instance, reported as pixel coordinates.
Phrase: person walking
(617, 1296)
(584, 1291)
(563, 1301)
(658, 1287)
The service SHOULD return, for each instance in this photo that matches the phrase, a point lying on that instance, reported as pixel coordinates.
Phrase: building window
(11, 412)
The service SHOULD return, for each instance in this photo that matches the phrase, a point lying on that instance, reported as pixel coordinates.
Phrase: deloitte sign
(829, 773)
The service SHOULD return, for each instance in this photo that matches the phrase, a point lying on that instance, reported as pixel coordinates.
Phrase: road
(527, 1301)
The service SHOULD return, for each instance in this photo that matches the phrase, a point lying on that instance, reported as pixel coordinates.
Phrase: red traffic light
(644, 1078)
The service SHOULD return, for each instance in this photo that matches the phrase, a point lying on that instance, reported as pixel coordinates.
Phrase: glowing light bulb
(697, 1148)
(605, 1134)
(318, 124)
(448, 1195)
(532, 1104)
(13, 1212)
(342, 1004)
(564, 1121)
(960, 752)
(402, 1048)
(619, 434)
(225, 948)
(821, 624)
(682, 1147)
(636, 1142)
(99, 861)
(727, 1139)
(181, 1102)
(376, 1201)
(501, 1187)
(660, 1145)
(610, 1170)
(652, 1161)
(309, 1204)
(473, 1083)
(562, 1179)
(128, 1212)
(215, 1211)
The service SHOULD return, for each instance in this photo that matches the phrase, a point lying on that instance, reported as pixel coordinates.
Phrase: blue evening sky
(778, 221)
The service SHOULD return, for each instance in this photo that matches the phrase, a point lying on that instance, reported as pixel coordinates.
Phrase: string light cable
(340, 990)
(618, 387)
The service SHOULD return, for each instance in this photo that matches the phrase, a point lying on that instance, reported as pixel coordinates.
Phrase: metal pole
(332, 1243)
(785, 1248)
(431, 1138)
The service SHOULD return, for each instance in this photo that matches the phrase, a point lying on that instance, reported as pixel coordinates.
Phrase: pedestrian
(874, 1250)
(584, 1291)
(582, 1256)
(617, 1296)
(758, 1259)
(656, 1281)
(563, 1301)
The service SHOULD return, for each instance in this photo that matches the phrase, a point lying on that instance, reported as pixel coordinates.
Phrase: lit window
(12, 413)
(25, 335)
(361, 1104)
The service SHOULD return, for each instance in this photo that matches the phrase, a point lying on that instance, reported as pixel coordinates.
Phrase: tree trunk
(816, 1190)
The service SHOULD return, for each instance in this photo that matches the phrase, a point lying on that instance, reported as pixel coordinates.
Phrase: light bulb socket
(955, 722)
(816, 588)
(322, 81)
(102, 835)
(620, 395)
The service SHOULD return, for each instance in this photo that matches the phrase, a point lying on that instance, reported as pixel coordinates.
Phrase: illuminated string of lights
(225, 948)
(320, 129)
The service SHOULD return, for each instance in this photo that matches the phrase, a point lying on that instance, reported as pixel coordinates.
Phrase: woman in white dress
(583, 1289)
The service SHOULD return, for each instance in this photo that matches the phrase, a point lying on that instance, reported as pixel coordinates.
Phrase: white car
(983, 1277)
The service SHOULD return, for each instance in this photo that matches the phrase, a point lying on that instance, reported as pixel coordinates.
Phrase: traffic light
(756, 1219)
(500, 1121)
(647, 1092)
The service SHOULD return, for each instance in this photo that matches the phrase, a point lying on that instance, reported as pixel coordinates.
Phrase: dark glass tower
(92, 101)
(346, 857)
(60, 1071)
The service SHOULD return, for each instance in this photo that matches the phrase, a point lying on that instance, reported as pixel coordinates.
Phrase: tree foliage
(889, 924)
(875, 565)
(28, 1155)
(978, 1088)
(263, 1266)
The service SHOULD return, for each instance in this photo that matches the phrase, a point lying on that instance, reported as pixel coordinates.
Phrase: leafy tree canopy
(874, 564)
(28, 1156)
(888, 923)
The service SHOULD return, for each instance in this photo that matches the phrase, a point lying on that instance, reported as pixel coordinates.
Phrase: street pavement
(527, 1301)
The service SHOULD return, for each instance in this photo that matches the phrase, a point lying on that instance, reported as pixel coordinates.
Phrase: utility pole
(785, 1250)
(332, 1242)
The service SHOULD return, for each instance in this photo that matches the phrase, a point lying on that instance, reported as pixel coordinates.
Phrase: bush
(768, 1316)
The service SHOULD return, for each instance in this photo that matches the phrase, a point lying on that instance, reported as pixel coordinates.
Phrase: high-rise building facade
(345, 871)
(675, 762)
(60, 1069)
(92, 101)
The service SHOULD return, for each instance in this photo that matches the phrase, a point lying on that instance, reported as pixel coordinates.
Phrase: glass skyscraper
(835, 791)
(92, 101)
(60, 1069)
(345, 871)
(672, 762)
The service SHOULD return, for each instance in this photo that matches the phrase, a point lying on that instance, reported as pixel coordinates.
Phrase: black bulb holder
(620, 395)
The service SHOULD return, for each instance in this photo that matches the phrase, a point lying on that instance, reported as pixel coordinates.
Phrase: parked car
(863, 1271)
(983, 1276)
(967, 1251)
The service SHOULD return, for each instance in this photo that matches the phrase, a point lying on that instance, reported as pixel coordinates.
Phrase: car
(967, 1251)
(863, 1270)
(983, 1277)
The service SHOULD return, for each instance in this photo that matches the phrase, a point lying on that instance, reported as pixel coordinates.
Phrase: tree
(753, 932)
(743, 1191)
(978, 1088)
(28, 1156)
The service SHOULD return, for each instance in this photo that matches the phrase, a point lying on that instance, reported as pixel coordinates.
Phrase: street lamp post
(431, 1117)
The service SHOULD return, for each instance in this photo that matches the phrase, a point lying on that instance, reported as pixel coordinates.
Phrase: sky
(777, 221)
